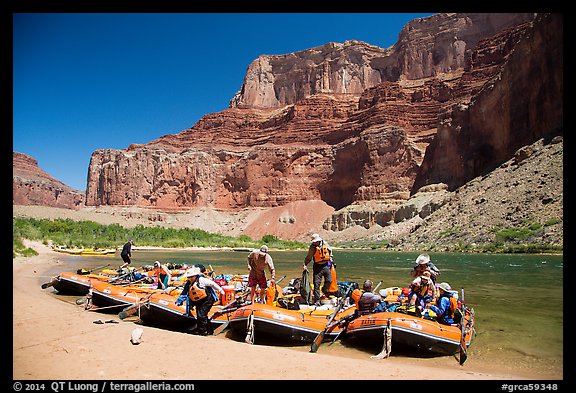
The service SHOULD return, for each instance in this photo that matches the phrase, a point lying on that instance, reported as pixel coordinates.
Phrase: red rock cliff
(32, 186)
(341, 123)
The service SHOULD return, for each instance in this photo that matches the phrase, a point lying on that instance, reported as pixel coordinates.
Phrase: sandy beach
(56, 340)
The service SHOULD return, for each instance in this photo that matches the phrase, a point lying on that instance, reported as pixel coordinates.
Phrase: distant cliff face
(32, 186)
(523, 104)
(347, 122)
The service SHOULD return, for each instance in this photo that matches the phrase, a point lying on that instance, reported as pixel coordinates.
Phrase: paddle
(463, 350)
(344, 322)
(128, 311)
(98, 268)
(132, 309)
(49, 284)
(318, 340)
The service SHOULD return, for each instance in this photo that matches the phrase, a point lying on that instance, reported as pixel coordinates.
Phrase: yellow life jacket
(322, 254)
(195, 293)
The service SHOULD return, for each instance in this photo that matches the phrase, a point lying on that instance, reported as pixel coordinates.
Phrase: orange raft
(293, 326)
(159, 309)
(113, 298)
(71, 283)
(413, 332)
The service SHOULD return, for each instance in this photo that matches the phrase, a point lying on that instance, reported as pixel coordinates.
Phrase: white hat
(263, 249)
(316, 238)
(193, 271)
(157, 263)
(445, 287)
(422, 259)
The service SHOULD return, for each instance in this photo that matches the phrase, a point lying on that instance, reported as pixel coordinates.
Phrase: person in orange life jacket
(320, 253)
(445, 304)
(419, 291)
(126, 254)
(422, 264)
(257, 262)
(199, 292)
(368, 301)
(163, 273)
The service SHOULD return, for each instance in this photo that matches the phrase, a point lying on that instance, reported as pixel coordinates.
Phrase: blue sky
(87, 81)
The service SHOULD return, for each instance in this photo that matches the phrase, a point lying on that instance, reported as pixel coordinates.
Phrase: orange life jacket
(356, 295)
(453, 306)
(195, 293)
(273, 292)
(334, 284)
(322, 254)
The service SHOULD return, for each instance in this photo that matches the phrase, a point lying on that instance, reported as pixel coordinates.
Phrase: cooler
(228, 296)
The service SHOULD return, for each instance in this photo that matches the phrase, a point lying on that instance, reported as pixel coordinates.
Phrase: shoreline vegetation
(88, 234)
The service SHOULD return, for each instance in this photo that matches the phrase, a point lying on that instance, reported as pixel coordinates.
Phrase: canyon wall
(342, 123)
(355, 125)
(33, 186)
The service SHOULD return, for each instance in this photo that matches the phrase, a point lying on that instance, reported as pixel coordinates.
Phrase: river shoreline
(52, 338)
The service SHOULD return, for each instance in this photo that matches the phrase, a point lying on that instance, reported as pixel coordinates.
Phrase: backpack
(289, 302)
(305, 288)
(343, 287)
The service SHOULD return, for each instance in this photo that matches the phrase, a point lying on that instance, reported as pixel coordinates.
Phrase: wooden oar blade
(221, 328)
(320, 337)
(463, 354)
(128, 311)
(317, 341)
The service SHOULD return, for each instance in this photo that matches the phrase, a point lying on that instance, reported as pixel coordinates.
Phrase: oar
(103, 308)
(98, 268)
(318, 340)
(48, 284)
(344, 322)
(115, 280)
(377, 286)
(463, 350)
(133, 308)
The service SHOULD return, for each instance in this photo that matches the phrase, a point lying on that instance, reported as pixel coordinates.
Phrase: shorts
(126, 258)
(261, 281)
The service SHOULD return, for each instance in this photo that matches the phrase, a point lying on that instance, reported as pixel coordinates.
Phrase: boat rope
(387, 346)
(250, 329)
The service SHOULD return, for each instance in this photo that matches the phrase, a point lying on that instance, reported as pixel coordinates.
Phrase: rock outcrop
(33, 186)
(354, 125)
(522, 103)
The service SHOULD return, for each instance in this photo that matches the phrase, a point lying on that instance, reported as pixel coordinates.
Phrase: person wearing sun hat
(422, 291)
(258, 260)
(163, 274)
(445, 304)
(422, 264)
(199, 292)
(320, 253)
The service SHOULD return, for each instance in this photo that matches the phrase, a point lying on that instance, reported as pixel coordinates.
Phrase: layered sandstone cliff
(347, 123)
(33, 186)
